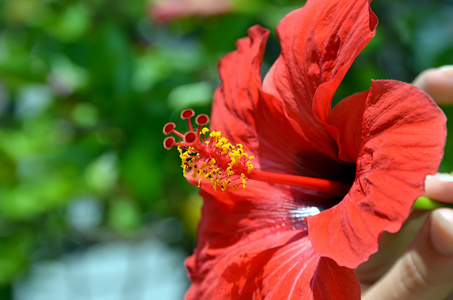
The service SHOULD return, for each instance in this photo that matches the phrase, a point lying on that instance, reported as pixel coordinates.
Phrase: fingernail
(445, 177)
(447, 69)
(442, 231)
(447, 214)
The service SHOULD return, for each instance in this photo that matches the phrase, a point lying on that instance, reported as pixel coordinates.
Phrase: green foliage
(447, 162)
(86, 86)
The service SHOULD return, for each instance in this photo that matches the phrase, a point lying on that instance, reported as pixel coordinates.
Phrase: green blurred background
(85, 89)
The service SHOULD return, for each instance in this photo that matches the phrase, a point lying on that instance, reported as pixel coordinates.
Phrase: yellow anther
(219, 165)
(229, 171)
(250, 167)
(240, 148)
(215, 135)
(215, 183)
(225, 184)
(243, 180)
(251, 157)
(222, 141)
(226, 148)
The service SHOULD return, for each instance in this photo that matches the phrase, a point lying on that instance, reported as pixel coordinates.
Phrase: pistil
(323, 185)
(213, 158)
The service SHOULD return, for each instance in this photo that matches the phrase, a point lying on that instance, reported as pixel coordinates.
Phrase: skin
(417, 262)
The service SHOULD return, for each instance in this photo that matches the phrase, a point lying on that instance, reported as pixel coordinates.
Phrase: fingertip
(425, 271)
(439, 187)
(442, 231)
(438, 83)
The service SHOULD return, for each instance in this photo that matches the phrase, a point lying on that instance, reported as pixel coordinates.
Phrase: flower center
(211, 157)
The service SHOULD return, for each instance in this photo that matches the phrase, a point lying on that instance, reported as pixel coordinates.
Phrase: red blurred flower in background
(164, 10)
(278, 241)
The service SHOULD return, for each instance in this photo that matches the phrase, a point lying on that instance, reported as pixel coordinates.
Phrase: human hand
(417, 262)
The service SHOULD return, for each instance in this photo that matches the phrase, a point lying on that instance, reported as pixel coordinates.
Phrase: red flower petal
(288, 125)
(395, 133)
(319, 43)
(235, 100)
(247, 115)
(333, 282)
(268, 256)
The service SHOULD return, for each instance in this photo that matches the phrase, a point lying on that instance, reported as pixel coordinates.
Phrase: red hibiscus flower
(285, 236)
(164, 10)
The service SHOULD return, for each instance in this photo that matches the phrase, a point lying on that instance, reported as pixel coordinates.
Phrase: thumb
(438, 83)
(425, 271)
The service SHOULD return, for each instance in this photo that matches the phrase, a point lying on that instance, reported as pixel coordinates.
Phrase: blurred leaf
(22, 11)
(13, 256)
(191, 213)
(141, 171)
(33, 100)
(190, 95)
(124, 216)
(8, 174)
(447, 162)
(232, 28)
(32, 198)
(70, 24)
(85, 114)
(101, 174)
(66, 77)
